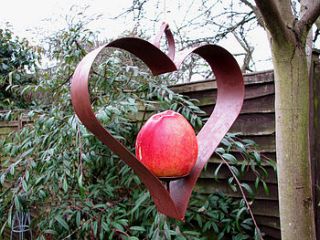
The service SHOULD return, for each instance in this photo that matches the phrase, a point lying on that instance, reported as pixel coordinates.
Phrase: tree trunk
(292, 119)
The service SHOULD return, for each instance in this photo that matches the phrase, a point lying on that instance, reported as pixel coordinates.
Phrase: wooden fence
(314, 130)
(256, 122)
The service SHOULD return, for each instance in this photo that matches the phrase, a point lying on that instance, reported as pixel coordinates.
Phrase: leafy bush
(17, 61)
(75, 186)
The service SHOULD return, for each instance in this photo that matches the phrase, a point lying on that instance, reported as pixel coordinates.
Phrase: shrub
(75, 186)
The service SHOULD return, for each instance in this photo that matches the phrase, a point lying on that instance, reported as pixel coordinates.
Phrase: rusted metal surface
(228, 105)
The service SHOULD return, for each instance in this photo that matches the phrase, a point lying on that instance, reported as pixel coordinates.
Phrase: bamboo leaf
(137, 228)
(95, 228)
(248, 188)
(24, 185)
(78, 218)
(105, 226)
(140, 200)
(239, 213)
(17, 203)
(62, 222)
(265, 187)
(167, 231)
(65, 185)
(229, 157)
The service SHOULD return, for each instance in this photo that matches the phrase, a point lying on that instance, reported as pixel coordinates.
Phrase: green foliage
(241, 156)
(78, 188)
(17, 61)
(220, 215)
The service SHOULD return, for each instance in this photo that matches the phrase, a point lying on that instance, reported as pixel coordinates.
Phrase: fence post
(314, 134)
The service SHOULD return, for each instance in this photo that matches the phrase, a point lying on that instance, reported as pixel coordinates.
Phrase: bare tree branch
(136, 6)
(304, 5)
(273, 20)
(286, 10)
(255, 10)
(317, 33)
(243, 196)
(247, 48)
(310, 15)
(317, 22)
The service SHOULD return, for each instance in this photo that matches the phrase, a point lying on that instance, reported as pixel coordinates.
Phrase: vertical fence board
(256, 122)
(314, 133)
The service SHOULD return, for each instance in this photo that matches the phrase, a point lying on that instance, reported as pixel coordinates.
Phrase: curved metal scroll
(228, 105)
(164, 29)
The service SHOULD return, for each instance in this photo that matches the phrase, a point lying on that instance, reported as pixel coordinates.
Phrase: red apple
(167, 145)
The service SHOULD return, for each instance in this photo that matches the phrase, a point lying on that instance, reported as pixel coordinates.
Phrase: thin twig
(77, 229)
(80, 149)
(243, 195)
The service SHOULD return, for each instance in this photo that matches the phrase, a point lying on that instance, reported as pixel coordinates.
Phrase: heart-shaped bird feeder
(172, 201)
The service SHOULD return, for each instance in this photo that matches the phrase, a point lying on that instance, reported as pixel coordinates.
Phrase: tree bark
(288, 38)
(292, 119)
(303, 10)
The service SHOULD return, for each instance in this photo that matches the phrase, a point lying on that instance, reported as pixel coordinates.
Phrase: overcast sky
(48, 16)
(28, 15)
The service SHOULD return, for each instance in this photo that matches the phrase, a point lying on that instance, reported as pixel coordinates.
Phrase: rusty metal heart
(229, 101)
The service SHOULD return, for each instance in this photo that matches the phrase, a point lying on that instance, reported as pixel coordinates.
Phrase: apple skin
(167, 145)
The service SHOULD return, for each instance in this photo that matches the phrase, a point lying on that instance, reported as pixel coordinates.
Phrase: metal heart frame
(173, 202)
